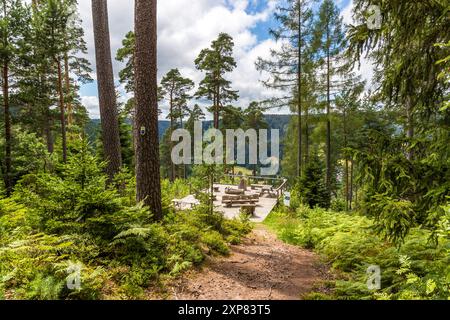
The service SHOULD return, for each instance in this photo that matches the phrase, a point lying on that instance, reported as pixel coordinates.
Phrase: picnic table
(188, 202)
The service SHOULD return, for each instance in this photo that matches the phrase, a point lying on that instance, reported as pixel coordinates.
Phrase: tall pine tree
(107, 94)
(175, 91)
(148, 184)
(14, 21)
(216, 62)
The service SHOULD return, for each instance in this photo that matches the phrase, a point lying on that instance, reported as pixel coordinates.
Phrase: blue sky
(183, 35)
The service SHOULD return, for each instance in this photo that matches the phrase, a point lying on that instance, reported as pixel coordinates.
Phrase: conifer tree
(107, 93)
(175, 91)
(287, 66)
(329, 43)
(216, 62)
(14, 21)
(55, 23)
(148, 184)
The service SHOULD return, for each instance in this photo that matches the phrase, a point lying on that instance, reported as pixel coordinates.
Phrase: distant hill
(93, 128)
(275, 121)
(278, 121)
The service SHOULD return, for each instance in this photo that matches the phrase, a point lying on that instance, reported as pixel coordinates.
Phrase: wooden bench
(249, 209)
(234, 191)
(258, 186)
(230, 197)
(230, 203)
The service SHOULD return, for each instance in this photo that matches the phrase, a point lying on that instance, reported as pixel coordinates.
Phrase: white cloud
(91, 103)
(184, 28)
(347, 13)
(366, 68)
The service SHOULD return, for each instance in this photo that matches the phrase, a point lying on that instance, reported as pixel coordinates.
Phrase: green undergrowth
(67, 235)
(35, 264)
(419, 268)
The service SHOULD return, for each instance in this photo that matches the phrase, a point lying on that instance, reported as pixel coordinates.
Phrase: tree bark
(172, 165)
(107, 94)
(148, 184)
(217, 105)
(306, 135)
(328, 156)
(62, 111)
(8, 135)
(351, 184)
(347, 178)
(48, 131)
(410, 124)
(69, 108)
(299, 106)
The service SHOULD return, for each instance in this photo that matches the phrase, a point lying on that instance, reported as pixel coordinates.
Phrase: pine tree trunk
(351, 184)
(67, 84)
(62, 111)
(8, 135)
(299, 106)
(48, 132)
(410, 124)
(328, 156)
(217, 108)
(148, 184)
(306, 135)
(211, 190)
(172, 165)
(184, 164)
(346, 173)
(107, 94)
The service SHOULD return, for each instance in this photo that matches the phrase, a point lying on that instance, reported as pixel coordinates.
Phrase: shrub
(350, 244)
(71, 214)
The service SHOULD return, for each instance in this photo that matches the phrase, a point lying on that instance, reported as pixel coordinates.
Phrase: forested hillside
(127, 207)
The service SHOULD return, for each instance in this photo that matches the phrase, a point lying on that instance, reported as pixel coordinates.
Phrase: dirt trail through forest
(261, 268)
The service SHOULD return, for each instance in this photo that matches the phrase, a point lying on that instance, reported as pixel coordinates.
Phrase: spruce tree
(329, 44)
(287, 66)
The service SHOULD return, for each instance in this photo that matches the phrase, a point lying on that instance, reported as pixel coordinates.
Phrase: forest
(98, 209)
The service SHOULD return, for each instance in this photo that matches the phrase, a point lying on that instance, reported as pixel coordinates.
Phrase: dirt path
(261, 268)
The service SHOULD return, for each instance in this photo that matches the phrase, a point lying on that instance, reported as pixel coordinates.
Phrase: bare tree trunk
(8, 135)
(148, 183)
(62, 111)
(107, 94)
